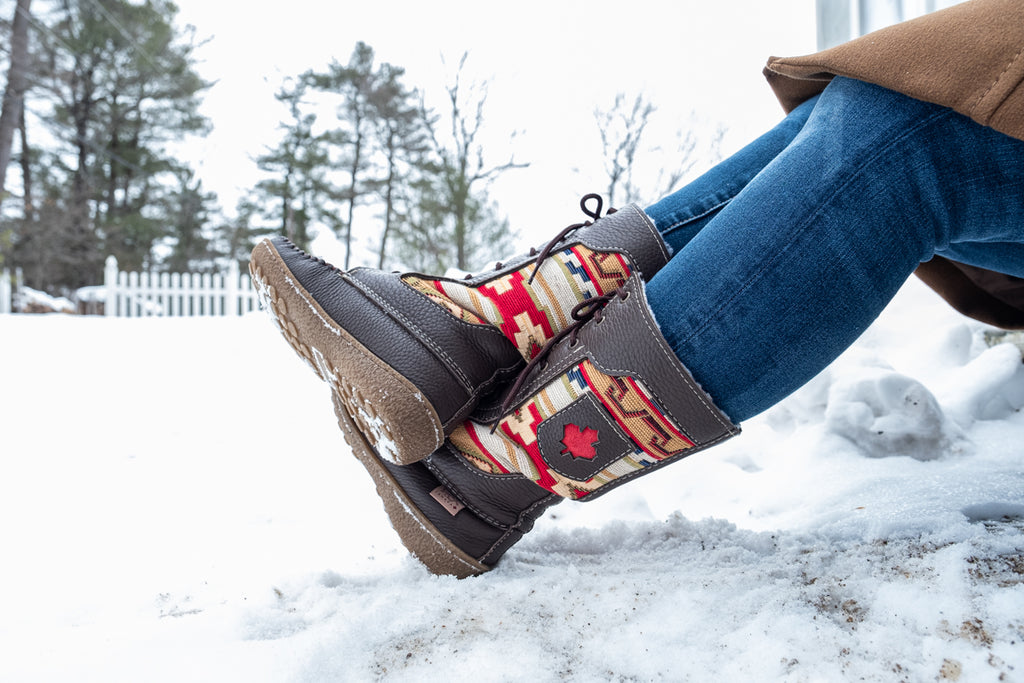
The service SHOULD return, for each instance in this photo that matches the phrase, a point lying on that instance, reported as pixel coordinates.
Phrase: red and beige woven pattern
(514, 446)
(531, 312)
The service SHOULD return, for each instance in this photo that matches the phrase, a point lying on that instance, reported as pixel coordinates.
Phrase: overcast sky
(548, 64)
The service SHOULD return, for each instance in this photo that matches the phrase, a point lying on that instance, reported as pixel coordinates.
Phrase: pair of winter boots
(476, 404)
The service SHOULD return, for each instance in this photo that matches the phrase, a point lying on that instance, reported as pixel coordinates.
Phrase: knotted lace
(546, 250)
(588, 310)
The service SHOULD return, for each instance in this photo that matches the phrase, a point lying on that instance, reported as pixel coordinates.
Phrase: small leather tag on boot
(447, 500)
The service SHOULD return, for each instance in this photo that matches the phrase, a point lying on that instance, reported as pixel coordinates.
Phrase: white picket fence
(6, 291)
(177, 294)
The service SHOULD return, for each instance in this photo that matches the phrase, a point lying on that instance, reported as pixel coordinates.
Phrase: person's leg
(682, 214)
(787, 275)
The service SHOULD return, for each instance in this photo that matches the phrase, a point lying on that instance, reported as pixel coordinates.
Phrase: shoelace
(543, 253)
(591, 309)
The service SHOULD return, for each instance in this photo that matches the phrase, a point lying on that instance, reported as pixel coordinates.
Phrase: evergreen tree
(13, 111)
(428, 239)
(296, 193)
(188, 211)
(234, 238)
(403, 140)
(121, 84)
(432, 194)
(39, 239)
(355, 83)
(17, 84)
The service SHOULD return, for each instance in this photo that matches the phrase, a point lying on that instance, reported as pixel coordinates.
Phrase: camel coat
(969, 57)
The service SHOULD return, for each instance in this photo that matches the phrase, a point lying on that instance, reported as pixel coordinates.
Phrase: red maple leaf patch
(579, 441)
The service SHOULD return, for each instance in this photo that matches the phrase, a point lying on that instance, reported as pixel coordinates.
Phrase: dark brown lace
(543, 253)
(591, 309)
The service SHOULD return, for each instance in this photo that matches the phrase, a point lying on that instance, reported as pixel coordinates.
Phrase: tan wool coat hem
(968, 57)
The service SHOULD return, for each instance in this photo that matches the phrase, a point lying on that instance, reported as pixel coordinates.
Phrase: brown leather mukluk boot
(606, 401)
(410, 356)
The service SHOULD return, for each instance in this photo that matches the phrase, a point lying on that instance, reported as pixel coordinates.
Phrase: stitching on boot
(454, 490)
(453, 367)
(327, 322)
(674, 363)
(485, 327)
(658, 240)
(517, 527)
(309, 257)
(546, 376)
(476, 510)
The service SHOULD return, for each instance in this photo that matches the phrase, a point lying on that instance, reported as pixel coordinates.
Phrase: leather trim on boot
(607, 403)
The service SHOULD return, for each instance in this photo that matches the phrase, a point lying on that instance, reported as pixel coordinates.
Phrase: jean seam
(945, 113)
(680, 223)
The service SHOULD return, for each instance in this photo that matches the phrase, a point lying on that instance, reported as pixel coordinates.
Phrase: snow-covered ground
(176, 504)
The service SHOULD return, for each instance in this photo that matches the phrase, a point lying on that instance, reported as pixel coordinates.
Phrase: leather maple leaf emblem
(579, 441)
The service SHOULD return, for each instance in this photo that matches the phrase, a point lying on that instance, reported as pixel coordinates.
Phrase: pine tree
(120, 82)
(296, 193)
(13, 112)
(354, 82)
(403, 140)
(17, 84)
(188, 211)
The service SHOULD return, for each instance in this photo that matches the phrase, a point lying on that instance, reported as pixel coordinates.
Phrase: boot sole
(390, 411)
(416, 532)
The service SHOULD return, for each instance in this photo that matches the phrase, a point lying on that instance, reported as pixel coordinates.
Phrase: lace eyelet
(573, 343)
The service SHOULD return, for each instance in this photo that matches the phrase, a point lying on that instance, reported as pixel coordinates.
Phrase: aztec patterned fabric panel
(531, 312)
(582, 431)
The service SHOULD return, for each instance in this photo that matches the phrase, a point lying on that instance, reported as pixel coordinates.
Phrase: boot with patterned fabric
(603, 402)
(411, 356)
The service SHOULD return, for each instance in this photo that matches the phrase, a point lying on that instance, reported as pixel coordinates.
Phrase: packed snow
(177, 504)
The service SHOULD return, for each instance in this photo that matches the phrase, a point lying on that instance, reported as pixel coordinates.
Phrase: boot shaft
(530, 298)
(608, 403)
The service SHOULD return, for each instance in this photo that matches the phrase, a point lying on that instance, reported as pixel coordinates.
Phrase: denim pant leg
(797, 265)
(682, 214)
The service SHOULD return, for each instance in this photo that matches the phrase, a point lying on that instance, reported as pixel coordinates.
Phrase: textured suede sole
(416, 532)
(392, 413)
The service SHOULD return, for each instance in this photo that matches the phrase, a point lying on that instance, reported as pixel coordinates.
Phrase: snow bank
(177, 504)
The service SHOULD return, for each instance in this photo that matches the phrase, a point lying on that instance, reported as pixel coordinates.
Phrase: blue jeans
(786, 252)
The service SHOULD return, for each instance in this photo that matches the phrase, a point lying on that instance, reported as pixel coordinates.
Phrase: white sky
(549, 64)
